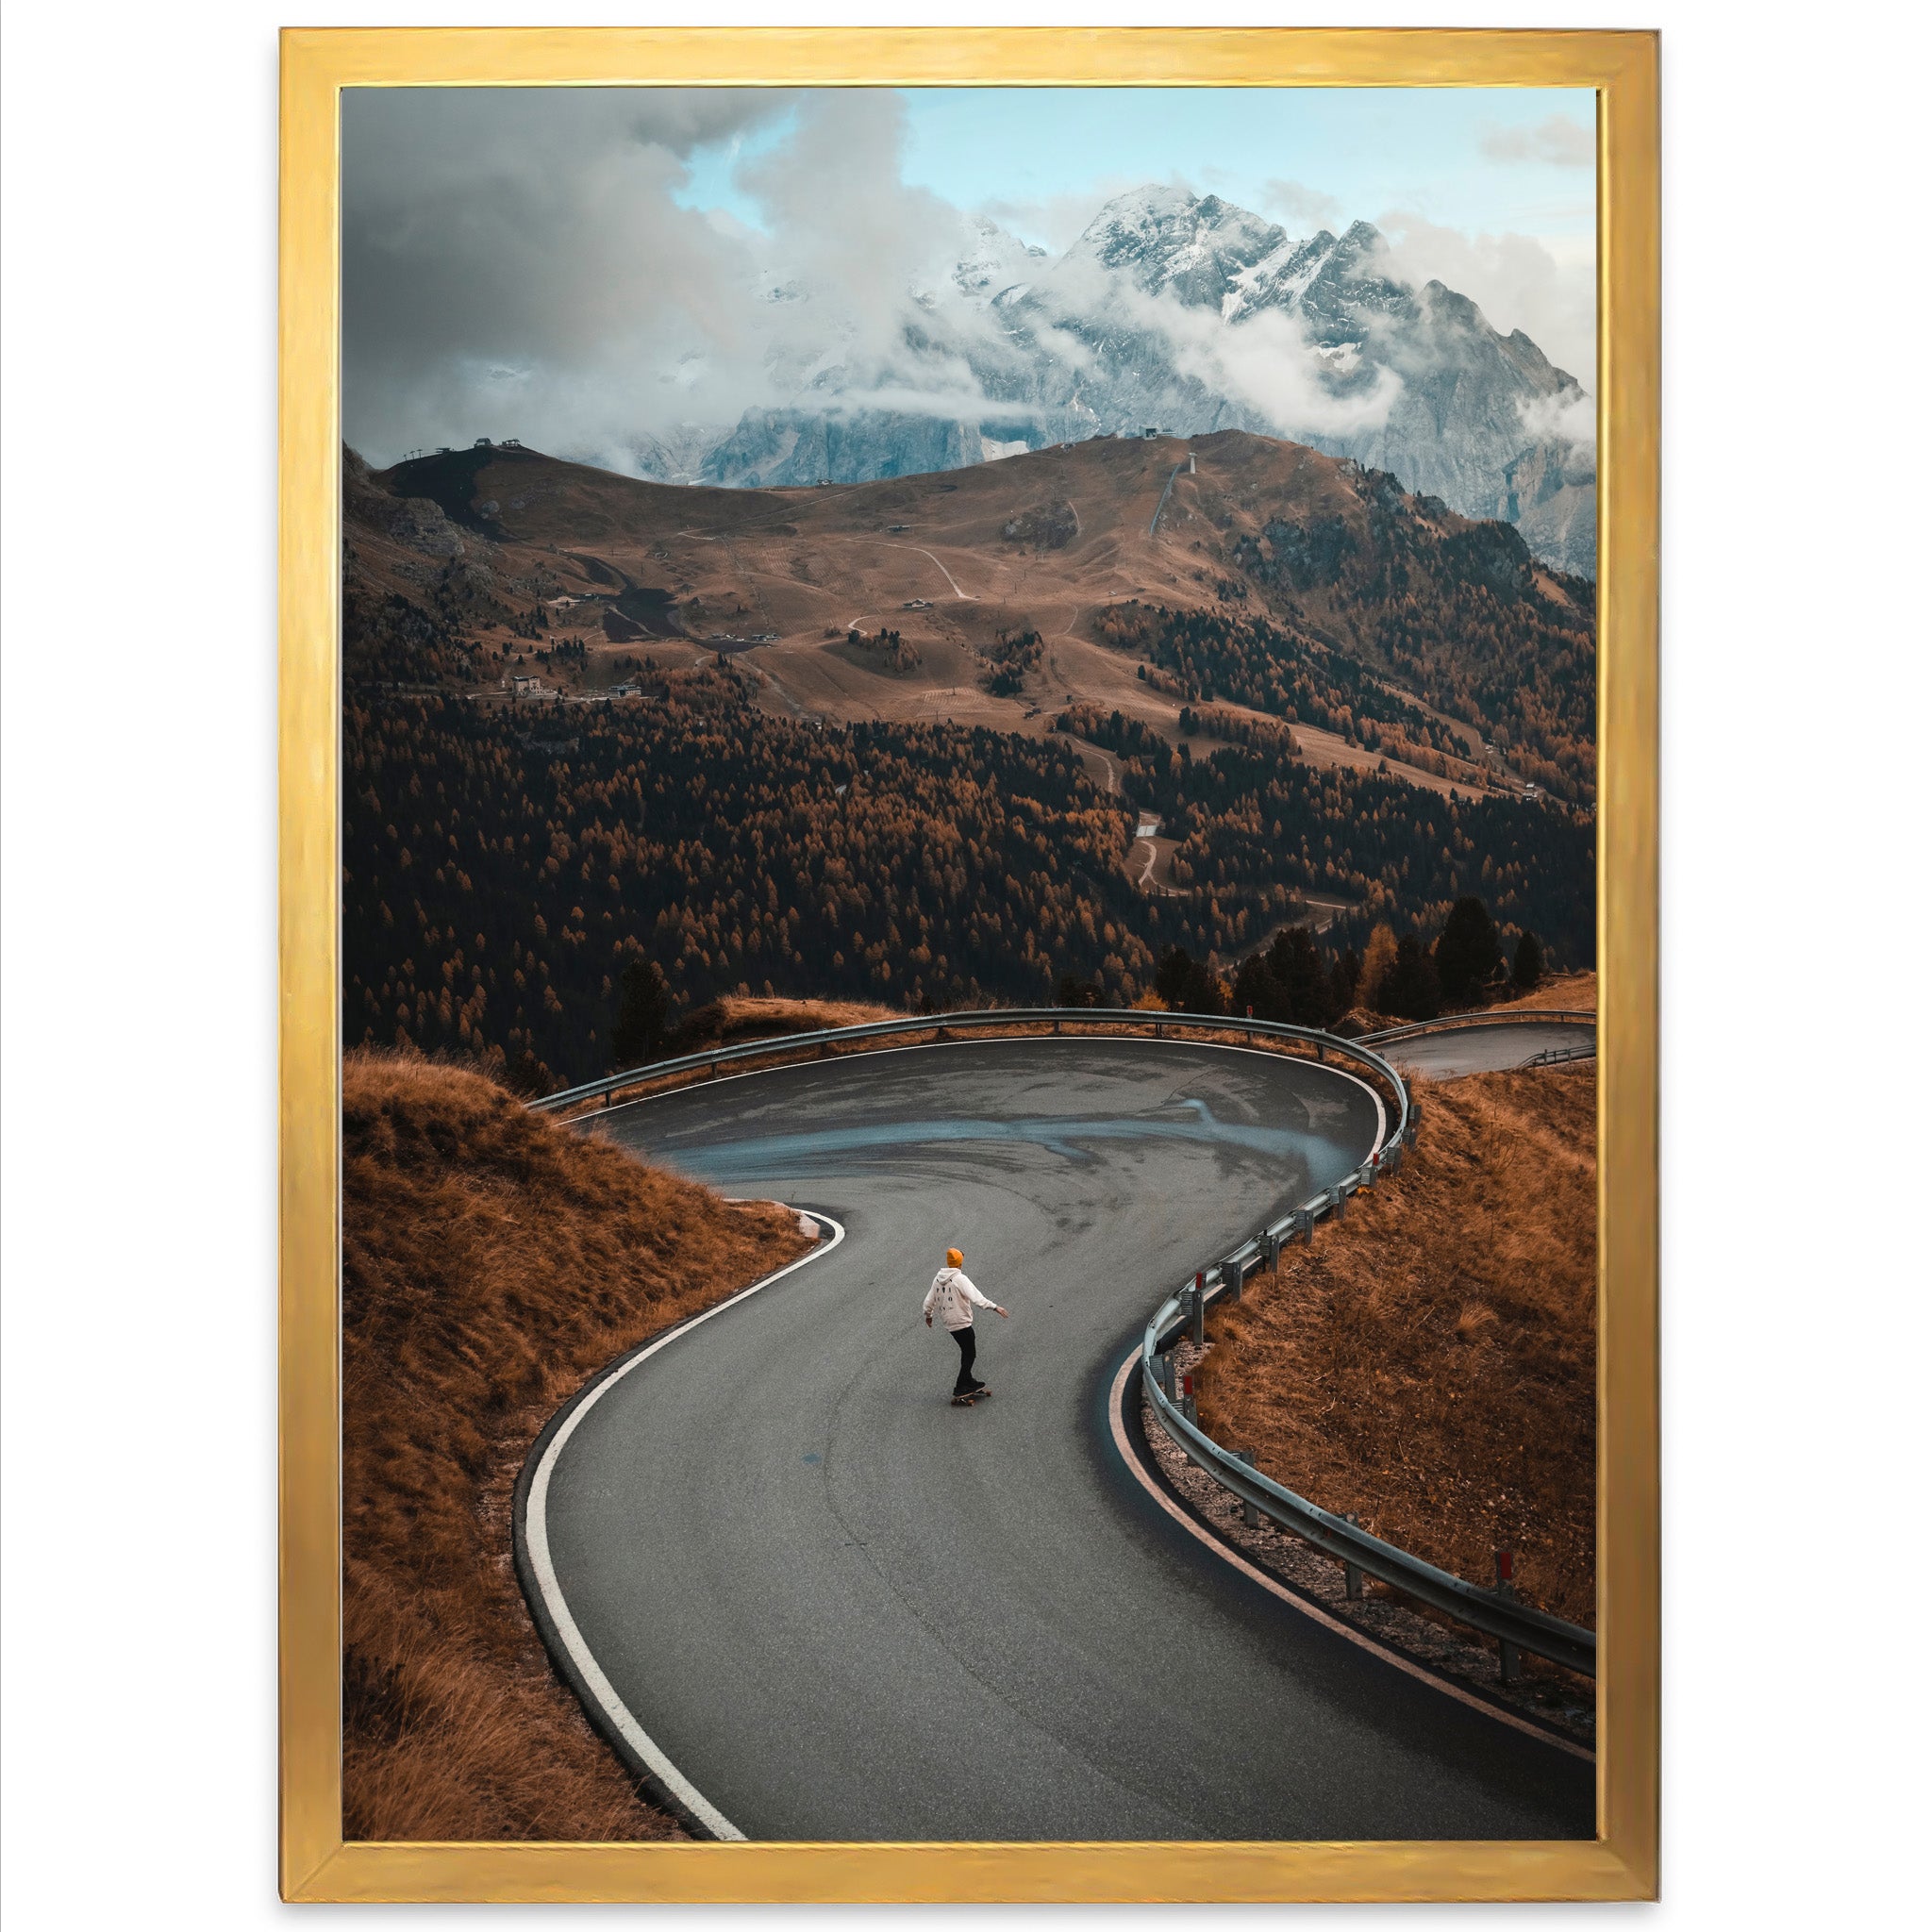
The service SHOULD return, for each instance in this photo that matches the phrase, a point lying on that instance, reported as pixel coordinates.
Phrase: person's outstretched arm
(978, 1300)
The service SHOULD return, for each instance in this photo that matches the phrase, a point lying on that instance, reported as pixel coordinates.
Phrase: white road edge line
(537, 1543)
(1117, 1419)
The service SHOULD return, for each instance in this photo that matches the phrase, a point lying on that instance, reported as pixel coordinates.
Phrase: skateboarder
(954, 1296)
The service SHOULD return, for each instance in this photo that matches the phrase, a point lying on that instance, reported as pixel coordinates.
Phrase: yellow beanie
(955, 1258)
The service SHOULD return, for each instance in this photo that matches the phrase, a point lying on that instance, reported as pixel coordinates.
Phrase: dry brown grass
(1431, 1362)
(1563, 992)
(492, 1260)
(741, 1016)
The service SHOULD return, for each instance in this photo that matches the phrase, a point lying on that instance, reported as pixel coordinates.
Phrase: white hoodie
(953, 1298)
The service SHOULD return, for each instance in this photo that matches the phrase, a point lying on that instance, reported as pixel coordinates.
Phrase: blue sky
(1479, 160)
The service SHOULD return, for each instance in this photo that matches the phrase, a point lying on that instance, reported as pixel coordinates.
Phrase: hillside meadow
(1430, 1362)
(493, 1260)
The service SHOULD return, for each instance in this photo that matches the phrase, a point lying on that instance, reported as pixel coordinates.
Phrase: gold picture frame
(1622, 68)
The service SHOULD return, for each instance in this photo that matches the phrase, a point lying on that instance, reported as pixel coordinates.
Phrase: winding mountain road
(1483, 1049)
(843, 1609)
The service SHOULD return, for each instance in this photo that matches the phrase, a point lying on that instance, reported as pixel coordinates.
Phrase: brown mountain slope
(1430, 1363)
(493, 1259)
(509, 551)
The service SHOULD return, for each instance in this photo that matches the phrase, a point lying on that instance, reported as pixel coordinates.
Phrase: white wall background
(140, 170)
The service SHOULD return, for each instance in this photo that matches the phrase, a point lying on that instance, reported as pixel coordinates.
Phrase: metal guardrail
(1492, 1611)
(946, 1027)
(1555, 1055)
(1495, 1613)
(1489, 1611)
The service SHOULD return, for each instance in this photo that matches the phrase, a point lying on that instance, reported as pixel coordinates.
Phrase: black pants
(968, 1382)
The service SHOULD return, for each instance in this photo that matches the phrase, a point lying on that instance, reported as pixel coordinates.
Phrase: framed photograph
(969, 946)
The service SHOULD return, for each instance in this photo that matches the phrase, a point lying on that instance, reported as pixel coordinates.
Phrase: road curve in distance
(846, 1611)
(1489, 1049)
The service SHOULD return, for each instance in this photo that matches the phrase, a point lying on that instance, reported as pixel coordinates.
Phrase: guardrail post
(1509, 1663)
(1197, 1310)
(1163, 1369)
(1249, 1515)
(1188, 1407)
(1236, 1277)
(1274, 1253)
(1352, 1573)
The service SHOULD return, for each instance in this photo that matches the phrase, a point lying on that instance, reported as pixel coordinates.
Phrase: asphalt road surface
(845, 1609)
(1483, 1049)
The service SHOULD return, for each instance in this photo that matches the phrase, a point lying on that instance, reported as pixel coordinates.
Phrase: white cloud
(1518, 281)
(1558, 142)
(1299, 206)
(534, 229)
(1056, 221)
(1570, 419)
(1268, 365)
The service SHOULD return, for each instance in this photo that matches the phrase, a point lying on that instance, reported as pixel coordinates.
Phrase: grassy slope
(738, 1017)
(491, 1261)
(1431, 1362)
(1563, 992)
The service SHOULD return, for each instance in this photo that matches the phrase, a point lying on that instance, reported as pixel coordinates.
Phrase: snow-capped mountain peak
(994, 260)
(1248, 327)
(1164, 238)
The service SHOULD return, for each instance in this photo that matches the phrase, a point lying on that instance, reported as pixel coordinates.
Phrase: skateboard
(967, 1401)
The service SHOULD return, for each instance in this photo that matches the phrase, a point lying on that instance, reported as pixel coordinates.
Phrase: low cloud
(1300, 208)
(1055, 222)
(1558, 142)
(1266, 364)
(1570, 419)
(1516, 280)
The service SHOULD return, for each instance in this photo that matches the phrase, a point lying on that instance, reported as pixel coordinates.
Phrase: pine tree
(1345, 980)
(643, 1010)
(1172, 978)
(1411, 990)
(1468, 952)
(1528, 970)
(1294, 962)
(1258, 992)
(1186, 986)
